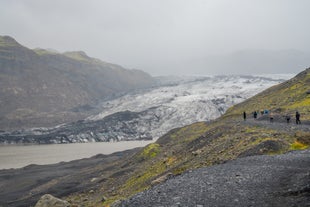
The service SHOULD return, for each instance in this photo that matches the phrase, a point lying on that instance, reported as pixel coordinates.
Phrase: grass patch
(150, 151)
(142, 181)
(298, 146)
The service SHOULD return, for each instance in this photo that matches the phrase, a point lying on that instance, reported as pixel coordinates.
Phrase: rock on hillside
(45, 88)
(48, 200)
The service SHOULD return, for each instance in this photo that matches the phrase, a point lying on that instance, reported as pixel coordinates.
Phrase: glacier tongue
(186, 102)
(151, 113)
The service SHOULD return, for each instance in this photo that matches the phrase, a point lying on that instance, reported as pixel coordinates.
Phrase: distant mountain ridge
(44, 88)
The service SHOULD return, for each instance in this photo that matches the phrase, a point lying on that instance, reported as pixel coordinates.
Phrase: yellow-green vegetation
(143, 180)
(6, 41)
(190, 132)
(298, 146)
(40, 51)
(303, 137)
(78, 55)
(150, 151)
(83, 57)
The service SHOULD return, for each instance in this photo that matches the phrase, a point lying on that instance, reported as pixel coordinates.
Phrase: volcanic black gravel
(281, 180)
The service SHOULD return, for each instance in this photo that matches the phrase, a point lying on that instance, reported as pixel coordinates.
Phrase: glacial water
(17, 156)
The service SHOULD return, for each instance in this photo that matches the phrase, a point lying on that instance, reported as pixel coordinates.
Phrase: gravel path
(282, 180)
(278, 124)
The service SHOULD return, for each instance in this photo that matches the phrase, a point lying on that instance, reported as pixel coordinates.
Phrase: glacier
(150, 113)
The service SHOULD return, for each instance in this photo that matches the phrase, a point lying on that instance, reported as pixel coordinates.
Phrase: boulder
(162, 179)
(48, 200)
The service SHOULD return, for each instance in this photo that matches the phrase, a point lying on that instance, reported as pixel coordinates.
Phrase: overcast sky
(165, 37)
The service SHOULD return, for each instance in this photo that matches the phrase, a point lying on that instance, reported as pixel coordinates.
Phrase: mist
(169, 37)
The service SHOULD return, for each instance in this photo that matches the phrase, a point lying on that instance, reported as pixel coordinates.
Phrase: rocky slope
(281, 180)
(44, 88)
(149, 114)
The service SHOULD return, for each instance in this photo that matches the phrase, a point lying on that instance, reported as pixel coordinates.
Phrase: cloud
(162, 36)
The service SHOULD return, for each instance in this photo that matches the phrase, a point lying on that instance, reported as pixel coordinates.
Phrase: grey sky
(169, 36)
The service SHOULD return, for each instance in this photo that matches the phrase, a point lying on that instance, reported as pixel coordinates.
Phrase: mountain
(45, 88)
(103, 180)
(149, 114)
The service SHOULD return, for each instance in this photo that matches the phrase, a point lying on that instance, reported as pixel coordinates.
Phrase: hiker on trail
(288, 118)
(271, 117)
(244, 115)
(255, 114)
(298, 118)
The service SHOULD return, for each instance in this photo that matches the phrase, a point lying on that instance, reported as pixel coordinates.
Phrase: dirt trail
(278, 124)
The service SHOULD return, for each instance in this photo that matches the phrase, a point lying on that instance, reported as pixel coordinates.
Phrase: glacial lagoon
(17, 156)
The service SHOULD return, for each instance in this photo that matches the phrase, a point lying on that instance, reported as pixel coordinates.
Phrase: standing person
(271, 117)
(298, 118)
(255, 114)
(244, 115)
(288, 118)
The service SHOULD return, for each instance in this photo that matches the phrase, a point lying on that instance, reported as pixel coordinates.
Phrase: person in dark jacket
(271, 117)
(255, 114)
(244, 115)
(288, 118)
(297, 117)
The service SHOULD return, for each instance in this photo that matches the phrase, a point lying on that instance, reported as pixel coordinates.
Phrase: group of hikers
(267, 112)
